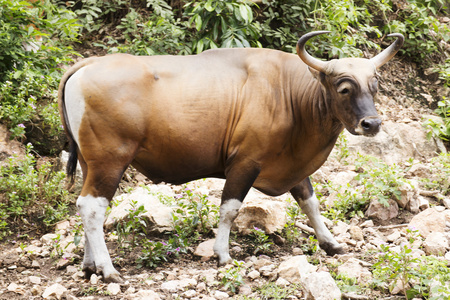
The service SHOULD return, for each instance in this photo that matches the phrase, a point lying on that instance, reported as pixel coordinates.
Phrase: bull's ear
(317, 74)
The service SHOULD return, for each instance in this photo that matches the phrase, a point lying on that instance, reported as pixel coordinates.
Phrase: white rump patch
(75, 104)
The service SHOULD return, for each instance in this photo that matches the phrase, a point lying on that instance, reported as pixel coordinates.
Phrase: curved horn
(389, 52)
(305, 57)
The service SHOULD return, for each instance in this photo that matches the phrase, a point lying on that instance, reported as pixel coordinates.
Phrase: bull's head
(350, 84)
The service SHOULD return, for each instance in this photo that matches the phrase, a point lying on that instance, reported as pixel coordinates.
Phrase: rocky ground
(49, 266)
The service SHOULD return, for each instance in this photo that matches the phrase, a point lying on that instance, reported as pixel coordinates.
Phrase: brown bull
(255, 117)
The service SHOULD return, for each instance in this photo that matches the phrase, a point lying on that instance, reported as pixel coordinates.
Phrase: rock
(268, 215)
(245, 290)
(113, 288)
(353, 268)
(393, 236)
(55, 290)
(189, 294)
(144, 295)
(446, 202)
(295, 269)
(49, 238)
(393, 143)
(378, 211)
(34, 280)
(367, 224)
(220, 295)
(94, 279)
(436, 243)
(174, 286)
(253, 275)
(321, 286)
(428, 221)
(282, 282)
(408, 193)
(205, 249)
(261, 262)
(356, 233)
(14, 287)
(423, 203)
(341, 228)
(158, 216)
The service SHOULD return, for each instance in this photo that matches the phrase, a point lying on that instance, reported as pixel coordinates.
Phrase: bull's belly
(177, 169)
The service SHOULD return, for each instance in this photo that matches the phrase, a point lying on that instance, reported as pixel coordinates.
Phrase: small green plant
(290, 231)
(414, 273)
(155, 253)
(232, 278)
(194, 215)
(440, 174)
(309, 245)
(260, 241)
(440, 127)
(275, 292)
(132, 227)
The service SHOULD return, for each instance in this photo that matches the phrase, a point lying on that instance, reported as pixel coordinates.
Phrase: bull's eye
(344, 91)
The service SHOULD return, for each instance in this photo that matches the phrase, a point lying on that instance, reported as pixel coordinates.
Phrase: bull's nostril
(370, 125)
(365, 125)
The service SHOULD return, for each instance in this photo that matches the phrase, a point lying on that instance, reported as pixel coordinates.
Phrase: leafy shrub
(23, 186)
(222, 24)
(232, 277)
(29, 77)
(440, 170)
(440, 128)
(260, 241)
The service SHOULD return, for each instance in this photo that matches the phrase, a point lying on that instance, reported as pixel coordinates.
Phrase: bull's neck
(314, 118)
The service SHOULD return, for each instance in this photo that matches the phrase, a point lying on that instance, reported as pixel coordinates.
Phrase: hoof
(332, 249)
(115, 277)
(88, 271)
(224, 259)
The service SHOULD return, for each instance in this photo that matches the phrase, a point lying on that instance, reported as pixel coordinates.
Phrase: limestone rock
(321, 286)
(428, 221)
(268, 215)
(356, 233)
(436, 243)
(113, 288)
(295, 269)
(144, 295)
(205, 249)
(393, 143)
(158, 215)
(56, 290)
(220, 295)
(377, 210)
(353, 268)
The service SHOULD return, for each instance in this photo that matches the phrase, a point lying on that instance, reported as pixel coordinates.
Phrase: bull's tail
(73, 146)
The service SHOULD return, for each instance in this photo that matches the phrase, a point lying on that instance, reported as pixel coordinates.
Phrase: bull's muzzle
(369, 126)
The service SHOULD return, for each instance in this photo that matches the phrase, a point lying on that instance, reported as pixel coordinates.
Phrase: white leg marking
(75, 104)
(311, 208)
(228, 212)
(92, 211)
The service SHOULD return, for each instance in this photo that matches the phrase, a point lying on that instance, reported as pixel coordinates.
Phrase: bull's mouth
(368, 126)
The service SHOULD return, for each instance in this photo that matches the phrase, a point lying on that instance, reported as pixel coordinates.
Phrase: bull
(256, 117)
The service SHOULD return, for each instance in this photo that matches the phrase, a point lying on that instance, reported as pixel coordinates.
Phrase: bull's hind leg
(239, 180)
(303, 193)
(98, 189)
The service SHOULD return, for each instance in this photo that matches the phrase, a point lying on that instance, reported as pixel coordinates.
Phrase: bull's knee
(228, 212)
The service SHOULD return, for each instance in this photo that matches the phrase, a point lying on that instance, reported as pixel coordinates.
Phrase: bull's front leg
(240, 178)
(304, 194)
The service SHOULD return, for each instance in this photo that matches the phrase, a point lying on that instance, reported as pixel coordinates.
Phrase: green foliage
(260, 241)
(290, 231)
(275, 292)
(194, 215)
(440, 174)
(34, 38)
(376, 181)
(222, 24)
(155, 253)
(232, 277)
(415, 273)
(440, 127)
(23, 186)
(132, 227)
